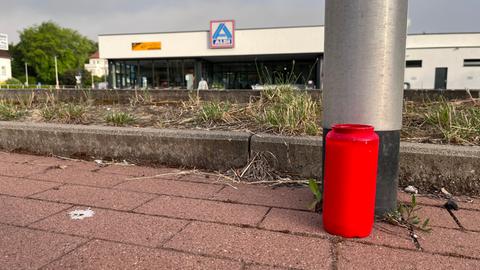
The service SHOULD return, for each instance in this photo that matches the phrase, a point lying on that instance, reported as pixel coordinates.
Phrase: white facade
(5, 69)
(432, 51)
(443, 51)
(290, 40)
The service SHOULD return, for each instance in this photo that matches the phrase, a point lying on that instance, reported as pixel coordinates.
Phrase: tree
(39, 45)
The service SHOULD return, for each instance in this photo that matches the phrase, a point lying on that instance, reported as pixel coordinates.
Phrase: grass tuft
(9, 111)
(457, 124)
(289, 111)
(119, 118)
(214, 112)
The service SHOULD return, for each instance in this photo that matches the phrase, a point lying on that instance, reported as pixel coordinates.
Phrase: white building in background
(232, 57)
(97, 66)
(5, 59)
(443, 61)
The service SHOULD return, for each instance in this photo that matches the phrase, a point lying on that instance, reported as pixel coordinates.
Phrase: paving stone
(22, 248)
(19, 169)
(19, 211)
(115, 226)
(81, 175)
(386, 234)
(261, 267)
(201, 177)
(472, 204)
(294, 221)
(469, 219)
(295, 198)
(16, 158)
(254, 246)
(204, 210)
(421, 199)
(168, 187)
(462, 201)
(54, 161)
(137, 171)
(106, 255)
(438, 216)
(22, 187)
(360, 256)
(97, 197)
(450, 241)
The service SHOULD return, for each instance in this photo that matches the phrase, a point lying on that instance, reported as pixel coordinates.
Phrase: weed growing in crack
(316, 205)
(406, 216)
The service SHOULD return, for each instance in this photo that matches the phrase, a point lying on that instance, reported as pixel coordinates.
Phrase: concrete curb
(190, 148)
(428, 167)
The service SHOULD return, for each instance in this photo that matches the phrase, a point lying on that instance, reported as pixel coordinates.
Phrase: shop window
(414, 64)
(160, 74)
(471, 63)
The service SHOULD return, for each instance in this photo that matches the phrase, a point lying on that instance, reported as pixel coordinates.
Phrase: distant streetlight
(26, 74)
(57, 85)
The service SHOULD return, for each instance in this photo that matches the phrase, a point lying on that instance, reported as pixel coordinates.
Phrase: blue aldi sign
(222, 34)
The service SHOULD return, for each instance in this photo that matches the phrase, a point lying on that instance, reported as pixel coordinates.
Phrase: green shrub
(13, 81)
(119, 118)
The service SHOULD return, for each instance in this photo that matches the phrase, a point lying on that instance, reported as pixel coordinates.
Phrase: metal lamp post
(364, 72)
(26, 74)
(57, 84)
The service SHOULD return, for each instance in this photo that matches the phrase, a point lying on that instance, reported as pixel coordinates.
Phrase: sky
(94, 17)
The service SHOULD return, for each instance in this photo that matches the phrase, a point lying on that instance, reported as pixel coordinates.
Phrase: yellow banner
(146, 46)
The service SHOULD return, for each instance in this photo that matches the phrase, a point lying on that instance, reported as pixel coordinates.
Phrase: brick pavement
(176, 221)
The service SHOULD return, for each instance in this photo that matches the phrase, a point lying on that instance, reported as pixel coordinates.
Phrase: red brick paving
(115, 226)
(205, 210)
(79, 174)
(98, 197)
(120, 256)
(253, 245)
(448, 241)
(22, 187)
(360, 256)
(168, 187)
(281, 197)
(294, 221)
(19, 211)
(137, 171)
(196, 222)
(22, 248)
(19, 169)
(389, 235)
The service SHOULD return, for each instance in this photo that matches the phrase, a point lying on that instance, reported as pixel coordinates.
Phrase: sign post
(364, 71)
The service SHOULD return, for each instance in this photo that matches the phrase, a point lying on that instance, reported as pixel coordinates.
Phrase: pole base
(387, 174)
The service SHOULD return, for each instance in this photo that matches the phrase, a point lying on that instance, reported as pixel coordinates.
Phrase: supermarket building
(244, 58)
